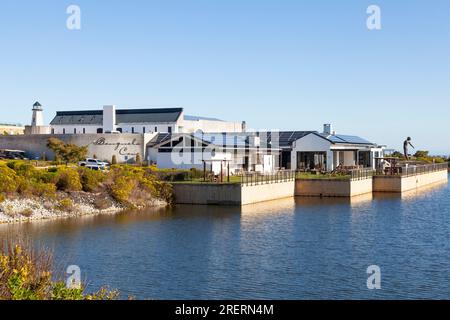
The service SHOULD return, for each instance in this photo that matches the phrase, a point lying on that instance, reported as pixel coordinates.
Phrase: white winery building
(113, 120)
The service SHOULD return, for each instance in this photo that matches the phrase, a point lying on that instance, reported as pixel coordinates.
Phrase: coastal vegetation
(71, 188)
(26, 273)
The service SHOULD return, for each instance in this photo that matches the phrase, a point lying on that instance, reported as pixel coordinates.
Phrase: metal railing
(254, 178)
(414, 170)
(353, 175)
(361, 174)
(422, 169)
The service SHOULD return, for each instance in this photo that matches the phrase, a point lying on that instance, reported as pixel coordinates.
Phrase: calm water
(290, 249)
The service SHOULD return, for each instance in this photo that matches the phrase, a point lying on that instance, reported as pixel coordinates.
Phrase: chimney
(244, 126)
(109, 119)
(328, 129)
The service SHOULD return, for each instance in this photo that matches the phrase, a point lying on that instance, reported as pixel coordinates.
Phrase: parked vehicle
(93, 164)
(12, 154)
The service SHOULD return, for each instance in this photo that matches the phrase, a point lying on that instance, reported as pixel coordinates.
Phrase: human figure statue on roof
(406, 144)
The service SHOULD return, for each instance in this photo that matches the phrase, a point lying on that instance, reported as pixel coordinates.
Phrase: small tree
(66, 151)
(114, 159)
(397, 154)
(421, 154)
(138, 159)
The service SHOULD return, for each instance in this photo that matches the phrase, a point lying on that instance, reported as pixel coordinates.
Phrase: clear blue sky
(277, 64)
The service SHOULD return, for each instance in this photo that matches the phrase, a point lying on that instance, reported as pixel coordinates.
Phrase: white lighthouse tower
(37, 122)
(38, 115)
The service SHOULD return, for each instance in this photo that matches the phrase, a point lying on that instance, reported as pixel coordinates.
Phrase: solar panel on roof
(341, 138)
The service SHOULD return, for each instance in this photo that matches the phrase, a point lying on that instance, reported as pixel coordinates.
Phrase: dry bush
(102, 203)
(65, 205)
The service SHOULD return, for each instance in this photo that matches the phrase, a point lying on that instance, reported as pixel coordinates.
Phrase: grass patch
(328, 176)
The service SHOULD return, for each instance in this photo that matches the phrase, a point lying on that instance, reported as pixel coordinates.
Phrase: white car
(93, 164)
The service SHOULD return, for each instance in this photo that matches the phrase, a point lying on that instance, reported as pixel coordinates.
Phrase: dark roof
(347, 139)
(228, 139)
(160, 137)
(95, 117)
(286, 138)
(37, 104)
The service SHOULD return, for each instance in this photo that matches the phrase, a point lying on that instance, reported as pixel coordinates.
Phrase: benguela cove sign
(121, 147)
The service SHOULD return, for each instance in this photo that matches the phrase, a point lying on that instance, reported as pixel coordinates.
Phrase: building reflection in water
(412, 194)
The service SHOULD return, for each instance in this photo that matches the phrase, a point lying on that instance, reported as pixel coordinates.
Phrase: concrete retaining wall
(332, 187)
(402, 184)
(231, 194)
(220, 194)
(267, 192)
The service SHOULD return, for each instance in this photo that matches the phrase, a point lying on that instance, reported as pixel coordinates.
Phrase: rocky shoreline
(20, 210)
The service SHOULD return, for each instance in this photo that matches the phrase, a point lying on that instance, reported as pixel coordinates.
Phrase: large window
(364, 159)
(311, 160)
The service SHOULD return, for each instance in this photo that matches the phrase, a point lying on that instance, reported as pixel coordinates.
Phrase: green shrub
(44, 190)
(8, 178)
(26, 170)
(2, 197)
(49, 176)
(121, 189)
(90, 179)
(68, 180)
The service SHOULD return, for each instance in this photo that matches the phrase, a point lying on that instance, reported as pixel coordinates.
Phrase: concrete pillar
(330, 160)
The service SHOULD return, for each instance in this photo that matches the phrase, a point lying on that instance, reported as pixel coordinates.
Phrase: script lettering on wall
(120, 147)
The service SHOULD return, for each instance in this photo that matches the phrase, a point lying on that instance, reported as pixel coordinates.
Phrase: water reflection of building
(263, 209)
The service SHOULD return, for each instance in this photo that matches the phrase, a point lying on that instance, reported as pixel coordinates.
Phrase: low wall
(196, 193)
(267, 192)
(231, 194)
(332, 187)
(403, 184)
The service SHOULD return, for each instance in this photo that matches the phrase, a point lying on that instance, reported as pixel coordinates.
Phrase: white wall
(38, 118)
(90, 129)
(109, 118)
(311, 143)
(163, 127)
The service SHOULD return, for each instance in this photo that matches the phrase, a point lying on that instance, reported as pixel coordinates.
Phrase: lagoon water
(302, 248)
